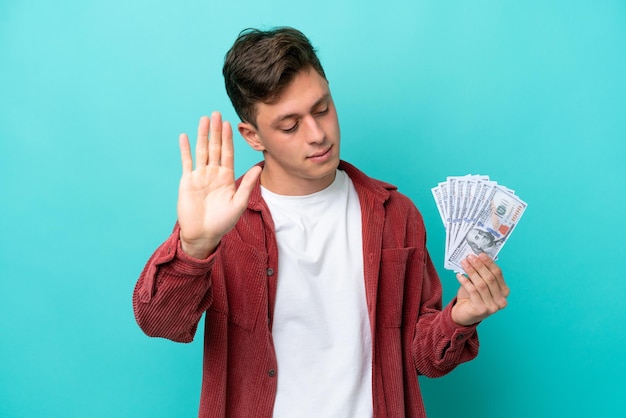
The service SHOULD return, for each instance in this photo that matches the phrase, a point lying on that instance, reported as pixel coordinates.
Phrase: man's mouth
(321, 153)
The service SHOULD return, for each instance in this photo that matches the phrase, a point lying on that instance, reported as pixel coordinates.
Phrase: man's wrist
(199, 249)
(466, 322)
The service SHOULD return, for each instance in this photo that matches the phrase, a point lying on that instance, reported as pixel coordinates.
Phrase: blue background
(93, 95)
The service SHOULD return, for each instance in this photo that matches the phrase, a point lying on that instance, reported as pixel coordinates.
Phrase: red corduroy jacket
(236, 288)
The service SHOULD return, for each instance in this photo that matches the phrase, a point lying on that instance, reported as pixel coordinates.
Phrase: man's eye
(291, 129)
(322, 112)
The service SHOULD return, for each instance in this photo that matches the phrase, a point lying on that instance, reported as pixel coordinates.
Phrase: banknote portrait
(482, 241)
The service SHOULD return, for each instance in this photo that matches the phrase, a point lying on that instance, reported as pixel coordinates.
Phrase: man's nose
(314, 132)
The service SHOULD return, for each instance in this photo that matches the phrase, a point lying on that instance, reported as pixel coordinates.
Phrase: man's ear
(250, 134)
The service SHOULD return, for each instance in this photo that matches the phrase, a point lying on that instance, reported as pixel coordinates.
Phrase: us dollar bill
(494, 224)
(478, 215)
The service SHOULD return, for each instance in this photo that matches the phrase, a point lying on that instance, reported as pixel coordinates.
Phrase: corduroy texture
(236, 287)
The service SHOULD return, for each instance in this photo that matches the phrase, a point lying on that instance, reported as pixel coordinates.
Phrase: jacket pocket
(393, 269)
(245, 283)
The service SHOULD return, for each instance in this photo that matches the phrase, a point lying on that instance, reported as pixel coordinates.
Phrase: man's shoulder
(387, 191)
(359, 177)
(399, 210)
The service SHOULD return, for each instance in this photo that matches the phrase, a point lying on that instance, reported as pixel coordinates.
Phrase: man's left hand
(483, 291)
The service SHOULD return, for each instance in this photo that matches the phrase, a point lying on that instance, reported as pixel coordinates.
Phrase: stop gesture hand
(209, 203)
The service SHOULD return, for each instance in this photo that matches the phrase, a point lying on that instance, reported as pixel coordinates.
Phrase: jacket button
(271, 373)
(270, 272)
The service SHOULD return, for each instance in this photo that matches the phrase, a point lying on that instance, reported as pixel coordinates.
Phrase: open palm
(209, 203)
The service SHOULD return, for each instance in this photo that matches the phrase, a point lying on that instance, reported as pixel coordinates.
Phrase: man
(320, 297)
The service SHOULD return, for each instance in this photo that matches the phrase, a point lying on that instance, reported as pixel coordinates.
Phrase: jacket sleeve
(439, 344)
(173, 291)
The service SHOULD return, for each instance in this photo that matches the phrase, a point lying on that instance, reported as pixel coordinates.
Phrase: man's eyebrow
(319, 101)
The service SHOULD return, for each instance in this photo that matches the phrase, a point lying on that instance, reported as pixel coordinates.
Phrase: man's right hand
(209, 203)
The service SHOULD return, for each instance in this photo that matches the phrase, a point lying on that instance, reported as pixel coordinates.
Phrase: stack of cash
(479, 216)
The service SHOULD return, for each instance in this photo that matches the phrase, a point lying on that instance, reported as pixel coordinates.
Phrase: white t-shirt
(321, 327)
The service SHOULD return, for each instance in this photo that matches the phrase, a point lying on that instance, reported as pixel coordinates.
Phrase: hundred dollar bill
(458, 189)
(438, 195)
(494, 223)
(467, 202)
(453, 207)
(485, 189)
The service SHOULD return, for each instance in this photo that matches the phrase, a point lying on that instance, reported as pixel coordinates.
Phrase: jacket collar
(363, 184)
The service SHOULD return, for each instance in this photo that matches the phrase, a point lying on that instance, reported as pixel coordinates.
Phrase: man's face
(299, 137)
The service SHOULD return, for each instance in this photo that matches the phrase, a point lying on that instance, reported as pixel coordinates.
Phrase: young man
(320, 297)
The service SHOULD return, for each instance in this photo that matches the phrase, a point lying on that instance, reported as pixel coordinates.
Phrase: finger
(185, 153)
(215, 142)
(480, 283)
(202, 142)
(486, 282)
(496, 272)
(228, 153)
(248, 182)
(474, 295)
(479, 263)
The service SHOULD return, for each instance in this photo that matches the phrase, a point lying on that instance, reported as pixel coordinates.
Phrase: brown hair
(261, 64)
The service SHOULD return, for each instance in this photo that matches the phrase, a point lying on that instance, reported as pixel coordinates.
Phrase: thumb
(242, 195)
